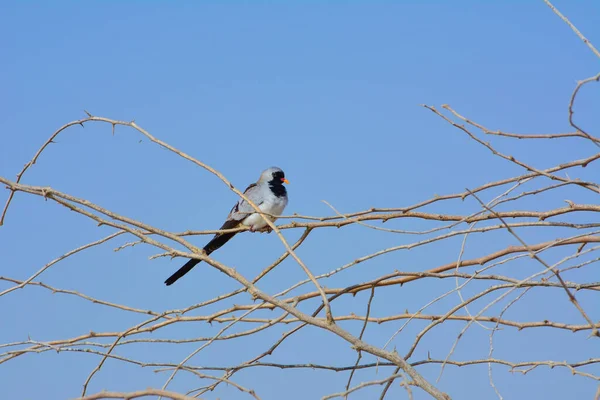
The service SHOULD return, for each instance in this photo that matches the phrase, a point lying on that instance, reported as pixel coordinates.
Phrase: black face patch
(278, 175)
(276, 184)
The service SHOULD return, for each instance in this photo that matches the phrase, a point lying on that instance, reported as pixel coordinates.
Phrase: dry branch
(574, 231)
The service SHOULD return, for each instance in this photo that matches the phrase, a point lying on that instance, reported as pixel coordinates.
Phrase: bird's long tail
(214, 244)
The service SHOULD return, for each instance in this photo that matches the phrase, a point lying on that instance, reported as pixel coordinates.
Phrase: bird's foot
(266, 229)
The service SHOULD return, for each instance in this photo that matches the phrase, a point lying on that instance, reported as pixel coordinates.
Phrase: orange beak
(285, 181)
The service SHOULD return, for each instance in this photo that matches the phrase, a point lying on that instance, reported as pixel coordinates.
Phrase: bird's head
(274, 176)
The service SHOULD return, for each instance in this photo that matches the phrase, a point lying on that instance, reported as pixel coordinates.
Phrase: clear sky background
(331, 93)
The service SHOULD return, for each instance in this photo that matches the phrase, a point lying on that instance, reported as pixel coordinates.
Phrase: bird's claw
(266, 229)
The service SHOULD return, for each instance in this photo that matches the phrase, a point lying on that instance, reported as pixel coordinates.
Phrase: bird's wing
(242, 208)
(237, 214)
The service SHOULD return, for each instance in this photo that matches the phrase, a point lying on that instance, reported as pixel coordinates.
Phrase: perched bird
(268, 194)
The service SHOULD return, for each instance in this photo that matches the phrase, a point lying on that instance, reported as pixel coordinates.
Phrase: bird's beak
(285, 181)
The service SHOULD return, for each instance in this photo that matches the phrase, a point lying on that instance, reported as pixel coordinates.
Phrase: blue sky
(331, 93)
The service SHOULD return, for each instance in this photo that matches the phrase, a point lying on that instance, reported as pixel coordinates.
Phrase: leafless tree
(487, 286)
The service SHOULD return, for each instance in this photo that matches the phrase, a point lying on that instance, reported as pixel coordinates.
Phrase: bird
(268, 194)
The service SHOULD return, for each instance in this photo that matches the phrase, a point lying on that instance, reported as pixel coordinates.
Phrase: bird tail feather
(214, 244)
(187, 267)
